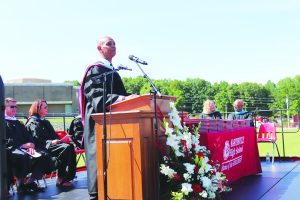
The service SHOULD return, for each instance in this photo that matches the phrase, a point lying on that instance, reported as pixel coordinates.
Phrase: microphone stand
(104, 150)
(155, 92)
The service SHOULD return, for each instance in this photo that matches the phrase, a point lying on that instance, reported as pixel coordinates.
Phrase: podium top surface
(144, 102)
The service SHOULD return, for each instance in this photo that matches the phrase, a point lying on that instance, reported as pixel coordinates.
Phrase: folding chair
(267, 133)
(62, 134)
(81, 152)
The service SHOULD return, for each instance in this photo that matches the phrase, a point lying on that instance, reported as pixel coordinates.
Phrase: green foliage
(134, 85)
(191, 93)
(196, 92)
(74, 82)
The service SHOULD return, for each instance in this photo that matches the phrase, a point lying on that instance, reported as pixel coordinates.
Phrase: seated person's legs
(41, 166)
(10, 177)
(21, 164)
(65, 162)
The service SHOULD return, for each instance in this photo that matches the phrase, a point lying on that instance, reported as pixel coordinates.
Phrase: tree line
(191, 93)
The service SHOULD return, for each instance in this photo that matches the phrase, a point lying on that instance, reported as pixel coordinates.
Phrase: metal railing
(60, 121)
(280, 121)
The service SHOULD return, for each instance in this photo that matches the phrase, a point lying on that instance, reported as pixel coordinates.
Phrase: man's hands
(30, 148)
(28, 145)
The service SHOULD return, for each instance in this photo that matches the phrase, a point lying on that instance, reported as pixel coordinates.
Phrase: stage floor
(78, 192)
(278, 181)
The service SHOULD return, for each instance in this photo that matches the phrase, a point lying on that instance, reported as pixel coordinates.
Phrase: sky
(217, 40)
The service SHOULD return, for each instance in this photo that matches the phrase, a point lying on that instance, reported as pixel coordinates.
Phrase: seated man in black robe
(76, 132)
(240, 113)
(23, 157)
(209, 111)
(45, 137)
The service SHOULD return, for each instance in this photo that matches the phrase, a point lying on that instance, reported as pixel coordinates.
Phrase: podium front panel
(131, 154)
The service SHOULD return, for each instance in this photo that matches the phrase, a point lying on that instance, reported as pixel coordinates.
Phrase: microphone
(137, 60)
(122, 67)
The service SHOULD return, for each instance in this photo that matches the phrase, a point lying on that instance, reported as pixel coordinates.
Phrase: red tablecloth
(235, 150)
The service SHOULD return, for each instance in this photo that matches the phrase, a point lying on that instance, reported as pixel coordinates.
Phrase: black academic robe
(21, 162)
(63, 154)
(92, 100)
(76, 132)
(241, 115)
(213, 115)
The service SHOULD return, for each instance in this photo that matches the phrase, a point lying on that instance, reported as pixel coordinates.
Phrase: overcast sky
(215, 40)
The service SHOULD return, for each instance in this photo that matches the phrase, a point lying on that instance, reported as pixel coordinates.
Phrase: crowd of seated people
(23, 156)
(34, 149)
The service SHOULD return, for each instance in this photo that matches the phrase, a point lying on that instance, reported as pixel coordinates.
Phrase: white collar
(10, 118)
(105, 63)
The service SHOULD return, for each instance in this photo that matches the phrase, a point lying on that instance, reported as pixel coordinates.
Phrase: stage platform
(78, 192)
(278, 181)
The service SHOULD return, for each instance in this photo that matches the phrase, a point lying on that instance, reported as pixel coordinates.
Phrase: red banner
(235, 150)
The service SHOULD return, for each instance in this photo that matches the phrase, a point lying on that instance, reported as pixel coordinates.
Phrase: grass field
(57, 122)
(81, 162)
(291, 144)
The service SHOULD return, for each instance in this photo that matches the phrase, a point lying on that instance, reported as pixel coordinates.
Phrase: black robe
(92, 102)
(76, 132)
(63, 154)
(21, 162)
(241, 115)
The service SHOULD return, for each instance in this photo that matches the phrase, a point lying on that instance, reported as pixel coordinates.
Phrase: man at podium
(91, 101)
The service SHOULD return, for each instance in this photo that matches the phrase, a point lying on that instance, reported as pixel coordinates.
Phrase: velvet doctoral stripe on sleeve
(93, 89)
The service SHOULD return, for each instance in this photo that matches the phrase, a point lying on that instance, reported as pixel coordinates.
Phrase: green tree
(74, 82)
(196, 92)
(221, 97)
(134, 85)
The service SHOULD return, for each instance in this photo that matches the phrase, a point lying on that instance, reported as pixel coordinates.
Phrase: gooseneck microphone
(137, 60)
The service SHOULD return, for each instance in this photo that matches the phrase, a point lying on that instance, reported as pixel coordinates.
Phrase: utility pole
(287, 110)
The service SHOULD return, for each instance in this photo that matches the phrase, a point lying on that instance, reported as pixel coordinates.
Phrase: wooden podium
(132, 169)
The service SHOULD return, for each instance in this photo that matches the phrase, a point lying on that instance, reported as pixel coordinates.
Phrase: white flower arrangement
(187, 166)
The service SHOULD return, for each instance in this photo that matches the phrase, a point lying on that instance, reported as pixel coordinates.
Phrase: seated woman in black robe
(22, 156)
(45, 137)
(209, 111)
